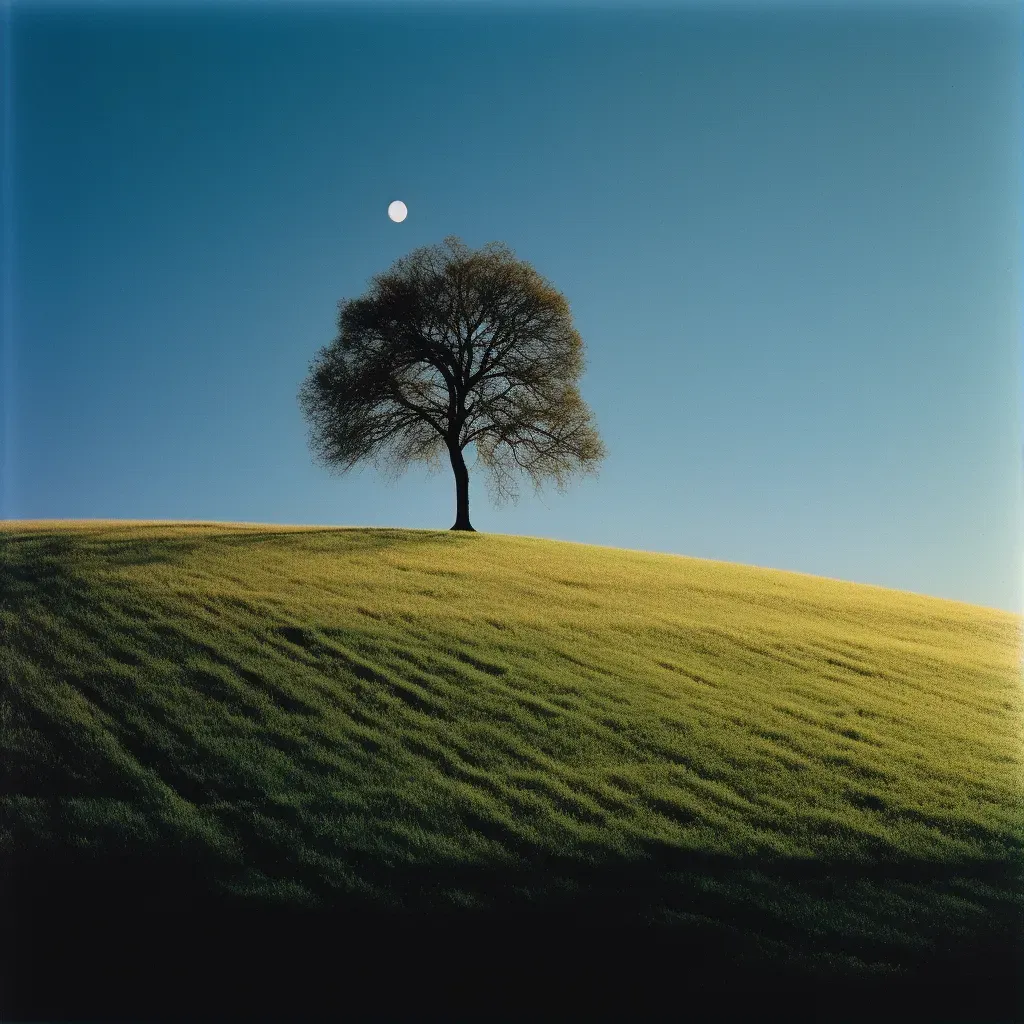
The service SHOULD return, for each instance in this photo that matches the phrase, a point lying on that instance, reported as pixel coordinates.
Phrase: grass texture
(793, 773)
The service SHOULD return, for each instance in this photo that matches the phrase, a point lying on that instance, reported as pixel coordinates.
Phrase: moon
(397, 211)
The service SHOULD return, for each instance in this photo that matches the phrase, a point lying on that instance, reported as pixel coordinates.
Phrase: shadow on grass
(41, 563)
(150, 936)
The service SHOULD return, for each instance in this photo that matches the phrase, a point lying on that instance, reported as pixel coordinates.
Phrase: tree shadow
(43, 557)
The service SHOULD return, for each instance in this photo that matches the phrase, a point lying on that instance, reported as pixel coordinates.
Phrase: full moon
(397, 211)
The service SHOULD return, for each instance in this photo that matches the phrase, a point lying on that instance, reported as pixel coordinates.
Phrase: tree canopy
(451, 347)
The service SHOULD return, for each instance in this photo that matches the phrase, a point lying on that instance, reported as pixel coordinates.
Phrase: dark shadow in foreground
(144, 938)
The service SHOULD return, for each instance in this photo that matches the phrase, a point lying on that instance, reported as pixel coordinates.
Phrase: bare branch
(451, 347)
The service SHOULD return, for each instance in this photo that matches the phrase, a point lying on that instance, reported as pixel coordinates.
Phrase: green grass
(829, 772)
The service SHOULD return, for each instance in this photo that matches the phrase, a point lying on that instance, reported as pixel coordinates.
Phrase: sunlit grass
(417, 717)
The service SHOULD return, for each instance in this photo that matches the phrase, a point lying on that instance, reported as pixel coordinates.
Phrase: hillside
(792, 776)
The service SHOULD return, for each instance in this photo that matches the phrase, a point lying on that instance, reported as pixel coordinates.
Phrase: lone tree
(449, 347)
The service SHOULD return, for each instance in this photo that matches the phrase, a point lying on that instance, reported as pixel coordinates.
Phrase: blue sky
(790, 238)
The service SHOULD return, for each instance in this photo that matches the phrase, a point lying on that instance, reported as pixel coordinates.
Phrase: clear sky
(791, 239)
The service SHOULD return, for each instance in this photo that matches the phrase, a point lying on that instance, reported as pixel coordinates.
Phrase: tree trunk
(461, 489)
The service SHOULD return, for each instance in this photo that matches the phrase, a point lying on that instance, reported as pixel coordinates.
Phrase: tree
(449, 347)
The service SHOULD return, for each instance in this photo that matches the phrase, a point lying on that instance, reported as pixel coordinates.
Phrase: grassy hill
(278, 739)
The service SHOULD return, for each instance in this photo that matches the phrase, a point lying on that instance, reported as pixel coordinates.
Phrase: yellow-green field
(831, 773)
